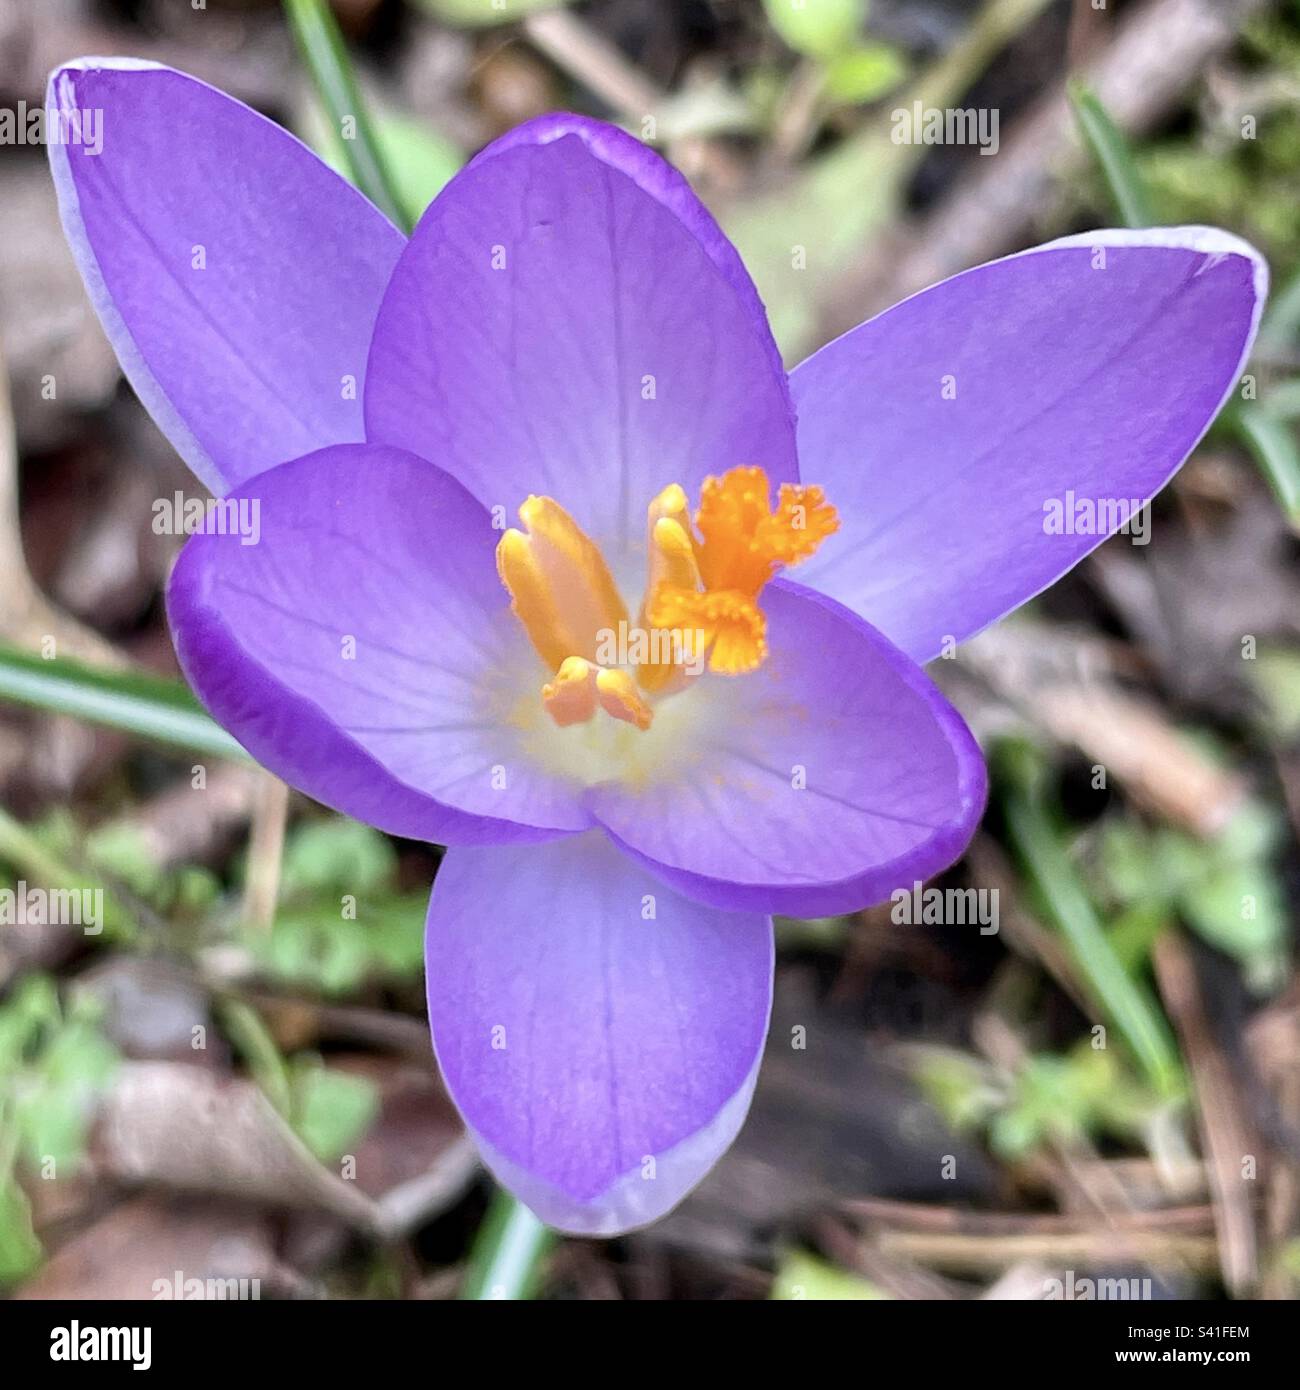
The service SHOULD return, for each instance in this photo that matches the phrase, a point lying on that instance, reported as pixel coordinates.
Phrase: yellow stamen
(703, 585)
(560, 586)
(619, 697)
(672, 563)
(580, 686)
(571, 697)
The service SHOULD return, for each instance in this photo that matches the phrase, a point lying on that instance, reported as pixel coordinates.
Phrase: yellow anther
(672, 555)
(671, 504)
(560, 586)
(619, 697)
(671, 563)
(580, 687)
(703, 584)
(571, 697)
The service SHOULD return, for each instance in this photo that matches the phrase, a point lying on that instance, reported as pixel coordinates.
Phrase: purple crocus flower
(568, 335)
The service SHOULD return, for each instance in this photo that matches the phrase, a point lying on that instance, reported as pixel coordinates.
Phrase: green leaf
(1111, 151)
(319, 948)
(325, 54)
(802, 1276)
(864, 74)
(53, 1117)
(817, 28)
(1125, 859)
(20, 1251)
(151, 706)
(1275, 674)
(331, 1109)
(1273, 443)
(336, 855)
(962, 1089)
(1239, 909)
(1133, 932)
(1085, 1094)
(122, 849)
(54, 1064)
(469, 14)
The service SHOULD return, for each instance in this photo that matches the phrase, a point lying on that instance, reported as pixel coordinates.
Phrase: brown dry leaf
(141, 1242)
(180, 1127)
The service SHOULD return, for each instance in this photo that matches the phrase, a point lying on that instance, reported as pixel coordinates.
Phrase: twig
(901, 1278)
(27, 617)
(796, 119)
(595, 62)
(921, 1217)
(266, 846)
(1062, 686)
(1153, 58)
(1224, 1132)
(983, 1255)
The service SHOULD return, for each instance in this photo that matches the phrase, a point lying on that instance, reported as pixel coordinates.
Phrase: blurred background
(228, 1087)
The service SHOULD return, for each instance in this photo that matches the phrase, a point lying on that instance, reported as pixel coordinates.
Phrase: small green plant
(341, 922)
(1226, 889)
(54, 1064)
(1086, 1093)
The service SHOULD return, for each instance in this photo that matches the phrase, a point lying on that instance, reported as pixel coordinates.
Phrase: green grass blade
(325, 54)
(151, 706)
(1273, 443)
(1120, 998)
(506, 1261)
(1281, 326)
(1111, 151)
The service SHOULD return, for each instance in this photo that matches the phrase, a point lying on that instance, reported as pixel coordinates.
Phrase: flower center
(700, 603)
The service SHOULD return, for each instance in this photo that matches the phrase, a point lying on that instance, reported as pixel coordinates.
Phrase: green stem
(506, 1260)
(325, 54)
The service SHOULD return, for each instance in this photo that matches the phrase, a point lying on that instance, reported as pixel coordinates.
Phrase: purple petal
(363, 648)
(567, 320)
(831, 776)
(600, 1034)
(1072, 380)
(236, 276)
(661, 181)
